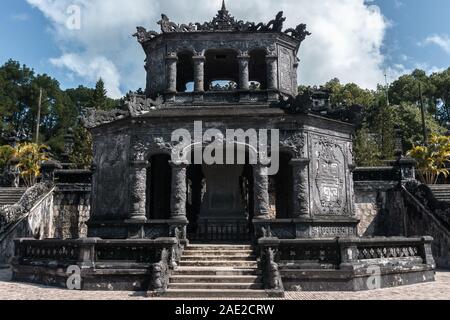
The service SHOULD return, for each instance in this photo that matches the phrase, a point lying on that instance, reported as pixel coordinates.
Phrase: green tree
(408, 118)
(406, 90)
(441, 82)
(82, 151)
(349, 94)
(6, 154)
(367, 151)
(432, 160)
(99, 99)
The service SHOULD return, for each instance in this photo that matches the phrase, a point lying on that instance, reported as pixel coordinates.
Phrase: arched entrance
(220, 201)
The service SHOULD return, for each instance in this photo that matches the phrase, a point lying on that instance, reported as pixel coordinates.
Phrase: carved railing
(21, 220)
(157, 256)
(425, 213)
(339, 253)
(224, 231)
(375, 174)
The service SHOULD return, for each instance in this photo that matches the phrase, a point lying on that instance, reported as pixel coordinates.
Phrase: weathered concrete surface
(439, 290)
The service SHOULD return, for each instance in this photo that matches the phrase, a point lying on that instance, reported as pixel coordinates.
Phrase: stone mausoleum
(192, 228)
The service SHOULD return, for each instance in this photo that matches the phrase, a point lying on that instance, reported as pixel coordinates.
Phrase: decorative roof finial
(223, 6)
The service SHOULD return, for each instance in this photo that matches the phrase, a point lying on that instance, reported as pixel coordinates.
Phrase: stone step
(215, 279)
(224, 293)
(218, 247)
(218, 271)
(217, 252)
(219, 258)
(218, 263)
(217, 286)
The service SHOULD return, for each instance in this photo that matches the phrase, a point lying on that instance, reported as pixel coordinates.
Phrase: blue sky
(412, 22)
(403, 35)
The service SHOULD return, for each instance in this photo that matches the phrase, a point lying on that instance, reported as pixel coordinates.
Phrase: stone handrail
(44, 204)
(421, 194)
(339, 253)
(13, 213)
(157, 255)
(32, 216)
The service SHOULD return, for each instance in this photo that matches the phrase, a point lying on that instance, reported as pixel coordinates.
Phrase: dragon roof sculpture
(223, 22)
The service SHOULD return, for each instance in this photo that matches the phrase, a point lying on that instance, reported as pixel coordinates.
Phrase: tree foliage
(432, 160)
(60, 109)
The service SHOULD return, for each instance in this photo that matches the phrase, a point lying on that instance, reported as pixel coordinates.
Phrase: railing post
(347, 252)
(48, 170)
(427, 253)
(87, 254)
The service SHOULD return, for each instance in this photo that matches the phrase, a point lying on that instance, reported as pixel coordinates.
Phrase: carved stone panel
(329, 175)
(156, 79)
(110, 185)
(286, 64)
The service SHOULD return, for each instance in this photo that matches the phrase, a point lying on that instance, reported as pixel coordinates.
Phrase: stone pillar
(261, 191)
(272, 72)
(48, 169)
(300, 187)
(179, 192)
(171, 71)
(199, 73)
(244, 72)
(138, 178)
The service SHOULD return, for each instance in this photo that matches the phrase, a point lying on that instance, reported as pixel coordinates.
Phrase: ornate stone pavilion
(147, 211)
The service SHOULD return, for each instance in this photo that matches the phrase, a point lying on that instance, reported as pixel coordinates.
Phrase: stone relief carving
(293, 141)
(286, 64)
(92, 118)
(329, 174)
(139, 104)
(112, 160)
(330, 232)
(134, 105)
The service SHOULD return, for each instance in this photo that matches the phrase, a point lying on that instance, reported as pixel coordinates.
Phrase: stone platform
(164, 267)
(350, 264)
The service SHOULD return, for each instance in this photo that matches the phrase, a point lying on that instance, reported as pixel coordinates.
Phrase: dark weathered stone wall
(372, 204)
(386, 210)
(61, 215)
(72, 211)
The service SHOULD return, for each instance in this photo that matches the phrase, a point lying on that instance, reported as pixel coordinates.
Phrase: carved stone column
(272, 72)
(199, 73)
(261, 191)
(300, 182)
(171, 68)
(138, 178)
(179, 192)
(244, 72)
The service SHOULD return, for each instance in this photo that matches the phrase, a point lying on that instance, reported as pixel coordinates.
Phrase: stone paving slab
(439, 290)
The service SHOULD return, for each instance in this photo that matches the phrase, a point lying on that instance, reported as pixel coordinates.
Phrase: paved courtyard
(439, 290)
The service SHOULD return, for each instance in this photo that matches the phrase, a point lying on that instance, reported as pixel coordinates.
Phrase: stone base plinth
(342, 280)
(97, 264)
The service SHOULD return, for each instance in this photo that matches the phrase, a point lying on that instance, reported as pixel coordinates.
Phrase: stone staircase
(441, 192)
(10, 196)
(217, 271)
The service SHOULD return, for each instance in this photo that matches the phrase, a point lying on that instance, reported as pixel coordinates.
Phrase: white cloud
(442, 41)
(346, 41)
(92, 68)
